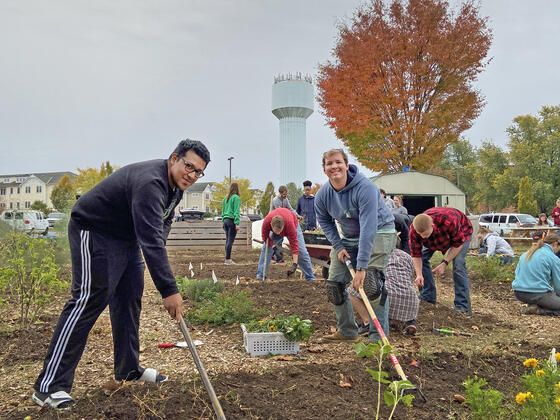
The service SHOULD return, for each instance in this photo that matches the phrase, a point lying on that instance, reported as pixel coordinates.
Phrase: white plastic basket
(260, 344)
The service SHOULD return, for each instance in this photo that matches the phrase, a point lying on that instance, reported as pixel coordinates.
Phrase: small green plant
(394, 392)
(484, 402)
(293, 327)
(198, 290)
(28, 274)
(225, 308)
(492, 268)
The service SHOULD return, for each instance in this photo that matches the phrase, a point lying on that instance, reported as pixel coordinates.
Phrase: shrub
(29, 274)
(225, 308)
(492, 268)
(198, 290)
(484, 403)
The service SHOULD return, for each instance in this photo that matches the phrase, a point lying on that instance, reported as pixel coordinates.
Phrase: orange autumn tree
(399, 88)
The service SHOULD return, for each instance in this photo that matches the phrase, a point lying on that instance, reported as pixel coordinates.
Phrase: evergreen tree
(294, 193)
(264, 205)
(526, 202)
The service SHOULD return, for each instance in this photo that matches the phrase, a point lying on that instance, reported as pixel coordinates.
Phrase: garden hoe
(381, 333)
(215, 403)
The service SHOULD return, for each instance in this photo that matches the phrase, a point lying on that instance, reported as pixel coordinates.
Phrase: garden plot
(306, 385)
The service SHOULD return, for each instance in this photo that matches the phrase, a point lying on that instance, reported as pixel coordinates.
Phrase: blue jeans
(460, 278)
(304, 261)
(338, 273)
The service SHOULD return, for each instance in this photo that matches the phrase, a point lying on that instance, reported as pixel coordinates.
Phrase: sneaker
(461, 310)
(363, 329)
(59, 400)
(531, 310)
(337, 336)
(410, 328)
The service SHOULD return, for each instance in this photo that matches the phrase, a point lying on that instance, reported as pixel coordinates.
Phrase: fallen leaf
(141, 349)
(111, 385)
(474, 327)
(316, 349)
(414, 363)
(345, 383)
(333, 329)
(283, 357)
(459, 398)
(316, 311)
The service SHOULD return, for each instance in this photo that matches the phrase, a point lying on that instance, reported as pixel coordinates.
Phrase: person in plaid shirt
(447, 230)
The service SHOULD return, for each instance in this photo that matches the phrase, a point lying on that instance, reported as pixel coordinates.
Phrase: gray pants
(548, 303)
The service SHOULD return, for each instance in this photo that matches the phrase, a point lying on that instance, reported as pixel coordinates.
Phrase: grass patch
(492, 268)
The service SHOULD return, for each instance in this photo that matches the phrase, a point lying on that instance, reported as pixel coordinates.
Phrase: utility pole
(230, 159)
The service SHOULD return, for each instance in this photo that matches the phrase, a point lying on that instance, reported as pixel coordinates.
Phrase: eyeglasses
(189, 167)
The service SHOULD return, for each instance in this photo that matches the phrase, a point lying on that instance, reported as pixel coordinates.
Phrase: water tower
(292, 103)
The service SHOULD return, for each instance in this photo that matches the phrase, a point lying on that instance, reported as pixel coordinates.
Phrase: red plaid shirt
(451, 229)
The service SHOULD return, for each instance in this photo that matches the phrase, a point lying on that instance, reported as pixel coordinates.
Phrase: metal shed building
(422, 191)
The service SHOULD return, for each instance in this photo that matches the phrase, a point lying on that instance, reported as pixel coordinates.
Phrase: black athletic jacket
(135, 203)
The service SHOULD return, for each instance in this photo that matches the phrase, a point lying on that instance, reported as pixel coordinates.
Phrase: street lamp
(230, 159)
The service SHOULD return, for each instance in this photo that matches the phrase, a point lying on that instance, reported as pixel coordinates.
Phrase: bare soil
(302, 387)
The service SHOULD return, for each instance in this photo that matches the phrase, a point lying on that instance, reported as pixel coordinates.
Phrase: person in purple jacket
(129, 211)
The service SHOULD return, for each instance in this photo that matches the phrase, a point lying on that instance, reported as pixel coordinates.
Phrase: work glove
(292, 270)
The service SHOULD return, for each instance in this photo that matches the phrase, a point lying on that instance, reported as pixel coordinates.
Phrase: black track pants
(105, 271)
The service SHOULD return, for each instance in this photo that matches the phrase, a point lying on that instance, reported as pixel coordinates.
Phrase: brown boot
(337, 336)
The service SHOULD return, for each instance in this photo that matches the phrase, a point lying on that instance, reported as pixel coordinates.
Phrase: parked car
(52, 218)
(502, 223)
(254, 217)
(30, 221)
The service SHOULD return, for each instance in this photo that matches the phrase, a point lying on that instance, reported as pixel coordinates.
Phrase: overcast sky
(85, 81)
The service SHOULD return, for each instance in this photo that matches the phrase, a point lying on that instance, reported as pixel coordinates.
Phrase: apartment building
(19, 191)
(197, 197)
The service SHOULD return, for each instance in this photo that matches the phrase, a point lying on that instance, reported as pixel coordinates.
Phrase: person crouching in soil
(399, 282)
(537, 277)
(493, 245)
(277, 224)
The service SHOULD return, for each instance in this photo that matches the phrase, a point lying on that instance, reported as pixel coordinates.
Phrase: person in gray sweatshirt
(491, 244)
(367, 237)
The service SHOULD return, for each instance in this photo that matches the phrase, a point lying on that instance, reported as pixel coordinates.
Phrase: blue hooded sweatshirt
(360, 210)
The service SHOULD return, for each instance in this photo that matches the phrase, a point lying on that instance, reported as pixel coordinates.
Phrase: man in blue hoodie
(368, 237)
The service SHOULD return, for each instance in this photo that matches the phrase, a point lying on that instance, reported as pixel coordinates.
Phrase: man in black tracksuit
(129, 211)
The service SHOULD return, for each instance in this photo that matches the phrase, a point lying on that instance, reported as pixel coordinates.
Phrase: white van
(502, 223)
(30, 221)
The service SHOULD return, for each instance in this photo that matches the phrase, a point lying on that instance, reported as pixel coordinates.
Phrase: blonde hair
(277, 222)
(550, 239)
(483, 230)
(422, 223)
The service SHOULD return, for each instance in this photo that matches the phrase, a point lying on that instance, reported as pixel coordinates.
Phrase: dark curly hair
(196, 146)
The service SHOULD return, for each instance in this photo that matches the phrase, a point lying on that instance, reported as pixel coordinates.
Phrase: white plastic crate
(263, 343)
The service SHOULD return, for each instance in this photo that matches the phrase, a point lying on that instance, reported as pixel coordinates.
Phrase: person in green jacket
(230, 218)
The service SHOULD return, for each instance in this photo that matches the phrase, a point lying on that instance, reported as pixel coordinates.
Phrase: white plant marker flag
(190, 266)
(201, 265)
(236, 280)
(214, 277)
(192, 274)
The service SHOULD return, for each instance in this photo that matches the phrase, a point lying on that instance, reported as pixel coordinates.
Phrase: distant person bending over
(447, 230)
(402, 225)
(399, 282)
(124, 217)
(306, 207)
(493, 245)
(399, 208)
(555, 213)
(387, 200)
(537, 277)
(280, 201)
(230, 218)
(277, 224)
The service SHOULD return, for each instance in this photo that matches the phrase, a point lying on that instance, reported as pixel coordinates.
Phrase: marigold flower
(532, 362)
(522, 397)
(272, 328)
(557, 355)
(557, 386)
(539, 372)
(557, 401)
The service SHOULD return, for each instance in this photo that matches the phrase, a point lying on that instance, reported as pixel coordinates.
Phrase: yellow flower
(557, 355)
(272, 328)
(522, 397)
(539, 372)
(507, 278)
(557, 401)
(532, 362)
(557, 386)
